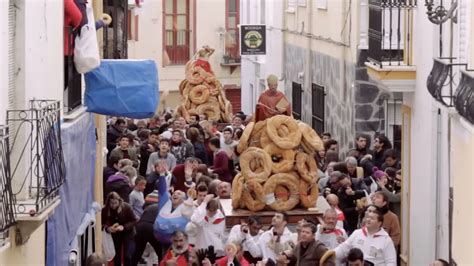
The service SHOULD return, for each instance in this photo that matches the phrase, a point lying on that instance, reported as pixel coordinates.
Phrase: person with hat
(272, 102)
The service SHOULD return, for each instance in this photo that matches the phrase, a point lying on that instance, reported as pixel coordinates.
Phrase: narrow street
(236, 132)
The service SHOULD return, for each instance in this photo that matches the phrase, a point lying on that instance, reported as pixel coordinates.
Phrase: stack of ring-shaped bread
(202, 93)
(278, 168)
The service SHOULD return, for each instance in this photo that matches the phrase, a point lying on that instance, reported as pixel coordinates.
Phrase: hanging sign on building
(252, 40)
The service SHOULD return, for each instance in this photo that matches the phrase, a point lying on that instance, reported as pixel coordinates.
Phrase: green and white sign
(252, 40)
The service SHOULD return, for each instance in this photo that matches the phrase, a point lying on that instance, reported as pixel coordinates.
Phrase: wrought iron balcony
(390, 32)
(441, 80)
(36, 156)
(390, 53)
(464, 97)
(7, 200)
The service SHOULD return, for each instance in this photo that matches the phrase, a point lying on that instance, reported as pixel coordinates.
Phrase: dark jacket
(107, 172)
(126, 218)
(312, 254)
(144, 156)
(112, 136)
(378, 159)
(149, 214)
(348, 207)
(119, 184)
(200, 152)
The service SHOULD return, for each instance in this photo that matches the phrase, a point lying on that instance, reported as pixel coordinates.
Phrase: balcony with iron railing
(7, 200)
(390, 54)
(36, 161)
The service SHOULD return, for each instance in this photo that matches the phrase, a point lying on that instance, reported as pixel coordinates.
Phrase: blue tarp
(123, 88)
(78, 142)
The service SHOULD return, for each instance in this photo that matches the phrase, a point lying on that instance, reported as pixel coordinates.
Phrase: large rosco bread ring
(260, 174)
(181, 111)
(182, 85)
(221, 101)
(308, 201)
(199, 94)
(307, 148)
(228, 111)
(243, 141)
(282, 193)
(311, 137)
(282, 160)
(289, 141)
(237, 190)
(286, 180)
(214, 86)
(196, 75)
(187, 102)
(211, 110)
(253, 195)
(259, 127)
(306, 166)
(264, 139)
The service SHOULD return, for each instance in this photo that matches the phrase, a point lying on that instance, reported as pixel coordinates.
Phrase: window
(296, 100)
(176, 30)
(302, 2)
(132, 26)
(317, 105)
(231, 25)
(292, 5)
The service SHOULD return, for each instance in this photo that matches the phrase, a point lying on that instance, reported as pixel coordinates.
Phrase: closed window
(296, 100)
(231, 24)
(176, 31)
(317, 106)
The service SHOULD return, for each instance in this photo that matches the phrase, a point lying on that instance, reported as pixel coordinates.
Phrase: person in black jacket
(114, 132)
(112, 167)
(144, 233)
(118, 219)
(148, 147)
(381, 144)
(348, 197)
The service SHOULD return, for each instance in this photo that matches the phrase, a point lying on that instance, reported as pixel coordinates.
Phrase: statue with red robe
(272, 102)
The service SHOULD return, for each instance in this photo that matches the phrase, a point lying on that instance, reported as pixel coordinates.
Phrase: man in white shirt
(210, 225)
(329, 233)
(247, 235)
(276, 240)
(372, 239)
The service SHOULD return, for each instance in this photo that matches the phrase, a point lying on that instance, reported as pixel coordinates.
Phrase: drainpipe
(283, 39)
(438, 178)
(307, 64)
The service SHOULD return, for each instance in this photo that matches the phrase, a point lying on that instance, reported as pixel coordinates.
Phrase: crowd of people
(165, 178)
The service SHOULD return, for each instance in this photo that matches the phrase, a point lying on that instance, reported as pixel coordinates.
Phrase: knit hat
(377, 174)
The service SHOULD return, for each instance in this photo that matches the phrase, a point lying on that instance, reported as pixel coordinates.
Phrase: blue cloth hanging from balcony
(126, 88)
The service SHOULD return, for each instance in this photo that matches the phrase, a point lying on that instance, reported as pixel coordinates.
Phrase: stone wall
(337, 77)
(369, 101)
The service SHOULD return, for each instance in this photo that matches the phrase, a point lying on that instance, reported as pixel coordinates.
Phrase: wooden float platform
(233, 217)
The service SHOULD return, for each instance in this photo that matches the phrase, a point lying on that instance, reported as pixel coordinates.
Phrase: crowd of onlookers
(164, 179)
